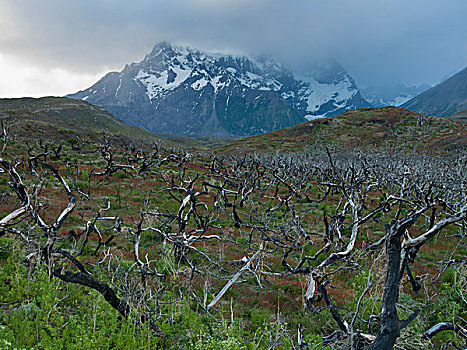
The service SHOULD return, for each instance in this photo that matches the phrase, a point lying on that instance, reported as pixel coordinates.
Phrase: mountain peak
(160, 46)
(182, 90)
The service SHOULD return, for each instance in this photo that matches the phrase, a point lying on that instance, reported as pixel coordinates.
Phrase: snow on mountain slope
(392, 95)
(180, 90)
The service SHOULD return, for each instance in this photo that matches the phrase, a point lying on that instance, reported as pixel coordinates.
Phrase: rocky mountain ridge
(444, 99)
(180, 90)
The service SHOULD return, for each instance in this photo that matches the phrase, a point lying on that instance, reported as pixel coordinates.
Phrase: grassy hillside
(64, 118)
(56, 118)
(111, 247)
(59, 118)
(460, 116)
(369, 128)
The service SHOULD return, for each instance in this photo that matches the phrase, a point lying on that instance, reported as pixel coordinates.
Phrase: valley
(117, 238)
(233, 175)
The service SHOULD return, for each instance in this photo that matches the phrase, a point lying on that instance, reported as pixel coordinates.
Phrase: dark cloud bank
(377, 41)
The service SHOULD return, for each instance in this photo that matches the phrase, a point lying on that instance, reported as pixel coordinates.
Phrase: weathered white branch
(233, 279)
(12, 216)
(445, 326)
(414, 242)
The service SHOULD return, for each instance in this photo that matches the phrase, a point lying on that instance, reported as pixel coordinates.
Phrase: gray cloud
(377, 41)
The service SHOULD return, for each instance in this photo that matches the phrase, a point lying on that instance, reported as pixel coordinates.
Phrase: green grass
(248, 316)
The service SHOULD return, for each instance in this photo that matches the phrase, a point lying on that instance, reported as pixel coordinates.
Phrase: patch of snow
(217, 83)
(401, 100)
(156, 83)
(182, 75)
(288, 94)
(276, 85)
(255, 81)
(312, 117)
(319, 94)
(158, 52)
(253, 76)
(118, 88)
(200, 83)
(245, 82)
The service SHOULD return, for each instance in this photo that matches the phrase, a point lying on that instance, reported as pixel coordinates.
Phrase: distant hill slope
(460, 116)
(385, 128)
(62, 118)
(444, 99)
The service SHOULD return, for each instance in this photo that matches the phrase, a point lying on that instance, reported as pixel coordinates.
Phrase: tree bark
(87, 280)
(390, 324)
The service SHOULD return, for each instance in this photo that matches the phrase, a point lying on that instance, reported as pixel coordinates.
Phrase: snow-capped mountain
(392, 95)
(179, 90)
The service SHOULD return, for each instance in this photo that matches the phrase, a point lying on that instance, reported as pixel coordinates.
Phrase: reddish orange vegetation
(366, 127)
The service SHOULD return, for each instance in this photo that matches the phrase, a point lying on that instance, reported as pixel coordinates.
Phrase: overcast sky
(55, 47)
